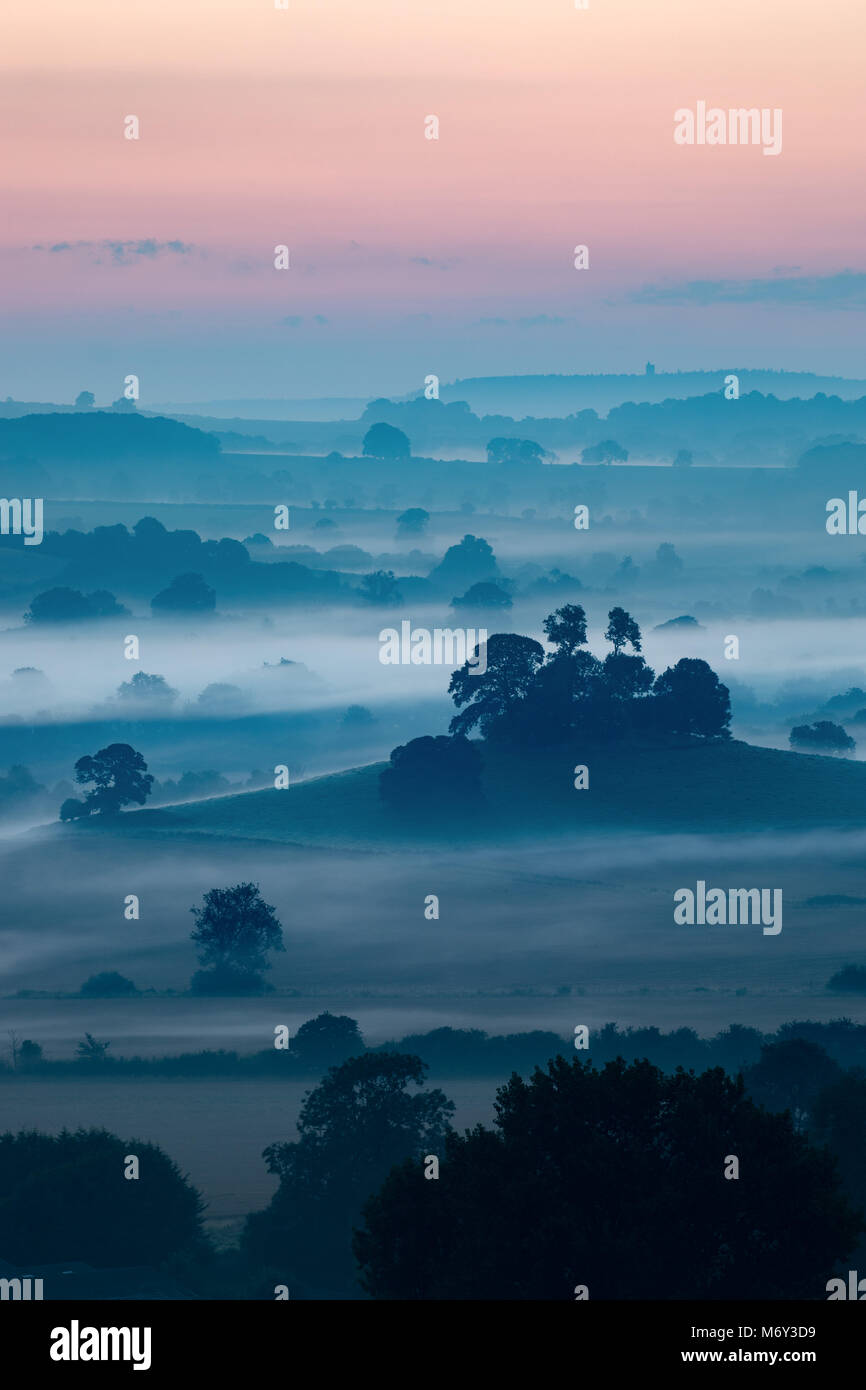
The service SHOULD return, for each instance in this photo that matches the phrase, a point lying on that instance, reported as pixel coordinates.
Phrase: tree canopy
(613, 1180)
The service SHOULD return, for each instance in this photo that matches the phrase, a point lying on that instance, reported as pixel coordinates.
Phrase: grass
(730, 786)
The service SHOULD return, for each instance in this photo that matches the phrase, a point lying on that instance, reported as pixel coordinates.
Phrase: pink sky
(306, 127)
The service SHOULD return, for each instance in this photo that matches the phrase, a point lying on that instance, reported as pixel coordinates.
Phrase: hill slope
(716, 787)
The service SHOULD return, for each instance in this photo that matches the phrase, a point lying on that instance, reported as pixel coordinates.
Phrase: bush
(64, 1197)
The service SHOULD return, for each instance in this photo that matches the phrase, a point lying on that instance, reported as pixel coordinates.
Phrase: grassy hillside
(723, 787)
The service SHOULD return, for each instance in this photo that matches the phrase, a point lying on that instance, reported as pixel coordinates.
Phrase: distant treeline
(467, 1052)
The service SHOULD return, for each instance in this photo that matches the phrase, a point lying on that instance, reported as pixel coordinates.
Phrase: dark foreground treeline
(330, 1039)
(617, 1182)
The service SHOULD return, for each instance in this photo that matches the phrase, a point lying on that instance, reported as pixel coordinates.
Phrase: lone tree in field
(117, 776)
(606, 452)
(234, 931)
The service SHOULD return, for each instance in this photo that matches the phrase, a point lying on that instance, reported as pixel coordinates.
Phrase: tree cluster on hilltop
(527, 696)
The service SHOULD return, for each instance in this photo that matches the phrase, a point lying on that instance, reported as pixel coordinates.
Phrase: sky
(305, 127)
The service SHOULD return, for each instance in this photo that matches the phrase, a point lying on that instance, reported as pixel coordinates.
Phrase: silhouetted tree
(92, 1050)
(848, 980)
(824, 734)
(108, 984)
(627, 677)
(483, 595)
(234, 931)
(566, 629)
(470, 562)
(30, 1055)
(327, 1041)
(119, 777)
(413, 522)
(70, 606)
(789, 1075)
(509, 450)
(147, 688)
(432, 774)
(380, 588)
(689, 698)
(614, 1180)
(63, 1198)
(354, 1126)
(512, 662)
(85, 400)
(622, 631)
(386, 442)
(187, 593)
(683, 459)
(607, 451)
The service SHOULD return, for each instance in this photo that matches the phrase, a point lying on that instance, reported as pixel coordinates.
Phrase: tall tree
(234, 930)
(622, 631)
(512, 662)
(566, 629)
(365, 1116)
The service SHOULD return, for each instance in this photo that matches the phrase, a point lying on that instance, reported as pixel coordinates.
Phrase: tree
(147, 689)
(823, 734)
(849, 980)
(413, 522)
(380, 588)
(627, 677)
(607, 451)
(70, 606)
(119, 778)
(684, 459)
(327, 1041)
(512, 662)
(668, 561)
(386, 442)
(566, 629)
(30, 1055)
(789, 1076)
(187, 593)
(482, 595)
(108, 984)
(92, 1051)
(431, 774)
(470, 562)
(689, 698)
(73, 809)
(63, 1198)
(510, 450)
(234, 931)
(354, 1126)
(613, 1179)
(85, 400)
(622, 631)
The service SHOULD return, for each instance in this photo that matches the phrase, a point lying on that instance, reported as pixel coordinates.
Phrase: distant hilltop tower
(650, 369)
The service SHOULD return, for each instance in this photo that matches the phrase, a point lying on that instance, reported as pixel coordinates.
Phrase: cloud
(319, 318)
(844, 289)
(121, 252)
(292, 320)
